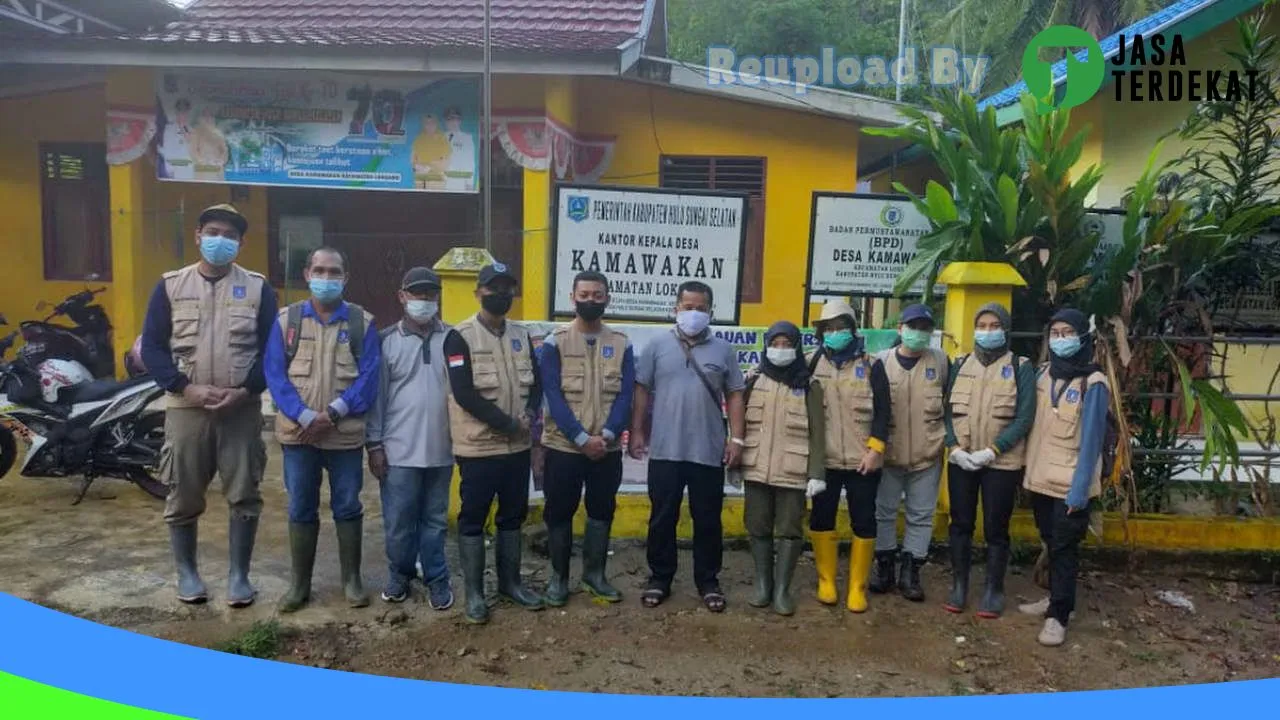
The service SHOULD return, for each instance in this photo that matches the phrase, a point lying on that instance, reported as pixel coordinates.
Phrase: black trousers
(860, 491)
(667, 482)
(1062, 533)
(505, 477)
(566, 476)
(999, 490)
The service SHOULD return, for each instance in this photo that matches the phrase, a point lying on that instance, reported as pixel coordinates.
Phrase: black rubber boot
(509, 583)
(471, 555)
(993, 599)
(789, 551)
(882, 572)
(909, 578)
(243, 532)
(762, 554)
(961, 559)
(302, 552)
(595, 554)
(350, 539)
(182, 539)
(560, 548)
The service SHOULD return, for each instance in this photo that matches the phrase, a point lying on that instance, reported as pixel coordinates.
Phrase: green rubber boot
(560, 548)
(509, 584)
(350, 539)
(595, 553)
(471, 555)
(302, 551)
(762, 554)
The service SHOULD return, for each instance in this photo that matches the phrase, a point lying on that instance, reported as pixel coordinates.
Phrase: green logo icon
(1083, 80)
(890, 215)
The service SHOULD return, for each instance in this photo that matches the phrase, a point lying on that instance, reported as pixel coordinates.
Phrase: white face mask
(692, 322)
(421, 310)
(780, 357)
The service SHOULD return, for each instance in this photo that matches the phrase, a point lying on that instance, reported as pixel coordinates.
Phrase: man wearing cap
(918, 377)
(203, 340)
(322, 366)
(407, 436)
(496, 393)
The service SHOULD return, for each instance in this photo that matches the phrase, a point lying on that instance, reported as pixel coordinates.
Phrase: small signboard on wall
(647, 242)
(859, 243)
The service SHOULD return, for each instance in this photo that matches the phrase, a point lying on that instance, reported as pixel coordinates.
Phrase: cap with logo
(226, 212)
(492, 272)
(916, 312)
(420, 278)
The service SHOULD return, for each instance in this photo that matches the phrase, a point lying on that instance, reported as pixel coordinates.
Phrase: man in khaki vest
(322, 363)
(494, 396)
(589, 375)
(918, 377)
(203, 339)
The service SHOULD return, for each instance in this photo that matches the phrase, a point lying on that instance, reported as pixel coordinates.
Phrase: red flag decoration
(129, 133)
(537, 142)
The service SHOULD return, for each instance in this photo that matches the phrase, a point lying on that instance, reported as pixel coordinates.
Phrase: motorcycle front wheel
(150, 433)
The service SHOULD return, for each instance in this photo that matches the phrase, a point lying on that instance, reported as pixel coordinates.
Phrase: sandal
(653, 597)
(714, 600)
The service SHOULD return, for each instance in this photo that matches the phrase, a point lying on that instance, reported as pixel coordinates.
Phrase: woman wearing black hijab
(1064, 460)
(783, 461)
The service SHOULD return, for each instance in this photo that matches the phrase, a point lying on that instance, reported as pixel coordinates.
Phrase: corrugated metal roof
(1110, 46)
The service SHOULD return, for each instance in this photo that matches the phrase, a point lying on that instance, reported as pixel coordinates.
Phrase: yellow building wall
(915, 175)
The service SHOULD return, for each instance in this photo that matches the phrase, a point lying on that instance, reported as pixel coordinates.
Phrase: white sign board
(648, 242)
(860, 243)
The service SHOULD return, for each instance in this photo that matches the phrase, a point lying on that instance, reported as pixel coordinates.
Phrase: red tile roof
(534, 25)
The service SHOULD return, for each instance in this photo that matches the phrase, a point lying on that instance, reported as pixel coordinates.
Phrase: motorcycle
(87, 342)
(102, 428)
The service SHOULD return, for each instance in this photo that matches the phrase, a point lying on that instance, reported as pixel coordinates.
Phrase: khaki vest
(776, 447)
(984, 400)
(502, 372)
(1054, 445)
(214, 337)
(590, 378)
(916, 432)
(847, 399)
(323, 368)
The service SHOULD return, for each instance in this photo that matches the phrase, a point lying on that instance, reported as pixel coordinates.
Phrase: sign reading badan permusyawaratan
(860, 243)
(323, 130)
(647, 242)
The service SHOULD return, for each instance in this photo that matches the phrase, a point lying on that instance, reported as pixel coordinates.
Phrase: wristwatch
(738, 441)
(333, 415)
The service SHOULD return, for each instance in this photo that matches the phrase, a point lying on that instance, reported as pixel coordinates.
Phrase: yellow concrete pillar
(970, 285)
(560, 105)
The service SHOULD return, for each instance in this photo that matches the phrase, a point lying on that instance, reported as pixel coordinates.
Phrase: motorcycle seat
(100, 389)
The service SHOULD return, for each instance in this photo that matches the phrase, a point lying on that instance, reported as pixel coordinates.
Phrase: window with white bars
(736, 174)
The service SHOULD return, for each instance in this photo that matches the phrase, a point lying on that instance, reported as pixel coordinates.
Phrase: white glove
(963, 459)
(815, 487)
(982, 458)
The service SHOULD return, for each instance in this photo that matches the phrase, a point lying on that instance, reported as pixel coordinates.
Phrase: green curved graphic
(1083, 80)
(23, 699)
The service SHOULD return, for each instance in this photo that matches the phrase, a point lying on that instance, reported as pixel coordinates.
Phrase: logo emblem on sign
(579, 207)
(930, 374)
(499, 267)
(1006, 372)
(343, 337)
(1073, 396)
(860, 372)
(238, 292)
(606, 352)
(515, 345)
(890, 215)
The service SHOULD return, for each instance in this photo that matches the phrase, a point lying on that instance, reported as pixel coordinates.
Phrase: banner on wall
(323, 130)
(130, 131)
(648, 241)
(859, 243)
(536, 142)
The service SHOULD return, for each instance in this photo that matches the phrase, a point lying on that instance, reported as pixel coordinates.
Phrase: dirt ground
(107, 559)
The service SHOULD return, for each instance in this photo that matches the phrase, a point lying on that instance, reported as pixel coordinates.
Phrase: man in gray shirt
(692, 376)
(410, 452)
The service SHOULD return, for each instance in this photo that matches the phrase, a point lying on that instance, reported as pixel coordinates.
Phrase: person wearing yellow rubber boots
(783, 462)
(856, 399)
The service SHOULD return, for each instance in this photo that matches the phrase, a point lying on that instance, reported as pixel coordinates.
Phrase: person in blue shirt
(1064, 461)
(588, 377)
(321, 365)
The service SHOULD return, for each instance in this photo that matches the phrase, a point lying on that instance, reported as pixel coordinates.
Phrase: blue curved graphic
(102, 662)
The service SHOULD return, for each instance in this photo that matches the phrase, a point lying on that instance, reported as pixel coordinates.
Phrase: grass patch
(262, 640)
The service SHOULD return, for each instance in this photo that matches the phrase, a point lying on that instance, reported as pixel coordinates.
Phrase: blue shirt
(619, 412)
(356, 400)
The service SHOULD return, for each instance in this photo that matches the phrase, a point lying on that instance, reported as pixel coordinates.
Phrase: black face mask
(497, 304)
(590, 311)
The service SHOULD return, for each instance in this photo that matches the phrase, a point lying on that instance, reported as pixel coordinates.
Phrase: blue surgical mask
(1065, 347)
(326, 290)
(916, 340)
(421, 310)
(217, 250)
(989, 339)
(837, 340)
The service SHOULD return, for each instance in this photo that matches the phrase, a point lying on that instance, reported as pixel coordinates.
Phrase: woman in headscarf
(1064, 460)
(783, 460)
(988, 413)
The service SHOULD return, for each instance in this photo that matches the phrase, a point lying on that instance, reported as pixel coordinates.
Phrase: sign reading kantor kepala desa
(647, 242)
